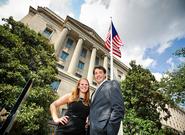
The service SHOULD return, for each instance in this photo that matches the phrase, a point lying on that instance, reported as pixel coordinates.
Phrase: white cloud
(61, 7)
(163, 46)
(182, 59)
(158, 76)
(141, 24)
(18, 9)
(154, 63)
(171, 63)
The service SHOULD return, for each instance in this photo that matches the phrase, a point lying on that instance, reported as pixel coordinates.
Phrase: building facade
(176, 121)
(78, 48)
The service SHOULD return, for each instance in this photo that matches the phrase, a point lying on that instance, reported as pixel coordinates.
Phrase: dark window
(97, 61)
(108, 71)
(78, 75)
(119, 76)
(64, 55)
(69, 43)
(60, 66)
(83, 52)
(47, 32)
(94, 83)
(81, 65)
(55, 85)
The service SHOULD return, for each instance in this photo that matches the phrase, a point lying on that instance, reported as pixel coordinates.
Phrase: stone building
(78, 48)
(176, 121)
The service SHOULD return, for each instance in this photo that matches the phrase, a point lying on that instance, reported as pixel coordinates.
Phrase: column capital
(105, 55)
(67, 27)
(81, 37)
(94, 47)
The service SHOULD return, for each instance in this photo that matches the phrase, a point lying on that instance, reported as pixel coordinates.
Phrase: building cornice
(121, 64)
(50, 14)
(85, 29)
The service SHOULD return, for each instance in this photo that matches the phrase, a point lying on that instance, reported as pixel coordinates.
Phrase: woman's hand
(63, 120)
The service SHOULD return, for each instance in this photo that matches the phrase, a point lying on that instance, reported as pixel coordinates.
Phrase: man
(107, 107)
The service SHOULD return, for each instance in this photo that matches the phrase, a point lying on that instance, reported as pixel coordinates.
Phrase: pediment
(85, 28)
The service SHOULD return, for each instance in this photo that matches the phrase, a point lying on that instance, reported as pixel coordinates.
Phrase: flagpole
(111, 53)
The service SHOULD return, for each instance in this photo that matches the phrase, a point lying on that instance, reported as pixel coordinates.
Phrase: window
(69, 43)
(64, 55)
(97, 61)
(78, 75)
(81, 65)
(94, 83)
(55, 85)
(120, 74)
(60, 66)
(47, 32)
(119, 77)
(83, 52)
(108, 71)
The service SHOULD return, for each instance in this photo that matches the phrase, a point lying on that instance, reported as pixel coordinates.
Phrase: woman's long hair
(76, 93)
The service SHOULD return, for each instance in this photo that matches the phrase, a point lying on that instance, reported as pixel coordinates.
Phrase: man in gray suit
(107, 106)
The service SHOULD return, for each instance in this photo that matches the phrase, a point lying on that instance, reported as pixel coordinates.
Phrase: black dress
(77, 113)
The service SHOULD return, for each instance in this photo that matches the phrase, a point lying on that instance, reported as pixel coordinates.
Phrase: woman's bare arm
(54, 109)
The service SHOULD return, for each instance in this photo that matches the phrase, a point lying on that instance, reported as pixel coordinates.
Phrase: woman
(74, 121)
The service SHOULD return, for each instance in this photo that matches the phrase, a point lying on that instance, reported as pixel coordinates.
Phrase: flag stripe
(116, 41)
(116, 50)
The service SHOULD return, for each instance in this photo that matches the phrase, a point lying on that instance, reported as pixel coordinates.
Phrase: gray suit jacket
(106, 109)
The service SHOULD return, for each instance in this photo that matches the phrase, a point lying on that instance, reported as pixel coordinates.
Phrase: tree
(25, 54)
(142, 100)
(180, 52)
(173, 83)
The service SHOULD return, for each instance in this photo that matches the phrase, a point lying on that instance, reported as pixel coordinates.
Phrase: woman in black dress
(74, 120)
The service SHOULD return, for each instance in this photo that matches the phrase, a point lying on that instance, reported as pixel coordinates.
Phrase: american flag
(116, 41)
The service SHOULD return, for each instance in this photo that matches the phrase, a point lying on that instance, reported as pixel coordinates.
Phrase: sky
(152, 30)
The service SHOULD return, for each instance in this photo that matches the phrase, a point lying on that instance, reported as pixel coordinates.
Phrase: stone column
(115, 73)
(91, 65)
(75, 57)
(60, 42)
(105, 64)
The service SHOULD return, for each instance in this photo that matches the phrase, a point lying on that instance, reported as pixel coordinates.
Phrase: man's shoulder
(107, 82)
(114, 82)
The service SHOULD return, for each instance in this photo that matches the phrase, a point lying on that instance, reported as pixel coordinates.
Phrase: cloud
(171, 63)
(182, 59)
(164, 46)
(141, 24)
(62, 8)
(158, 76)
(18, 9)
